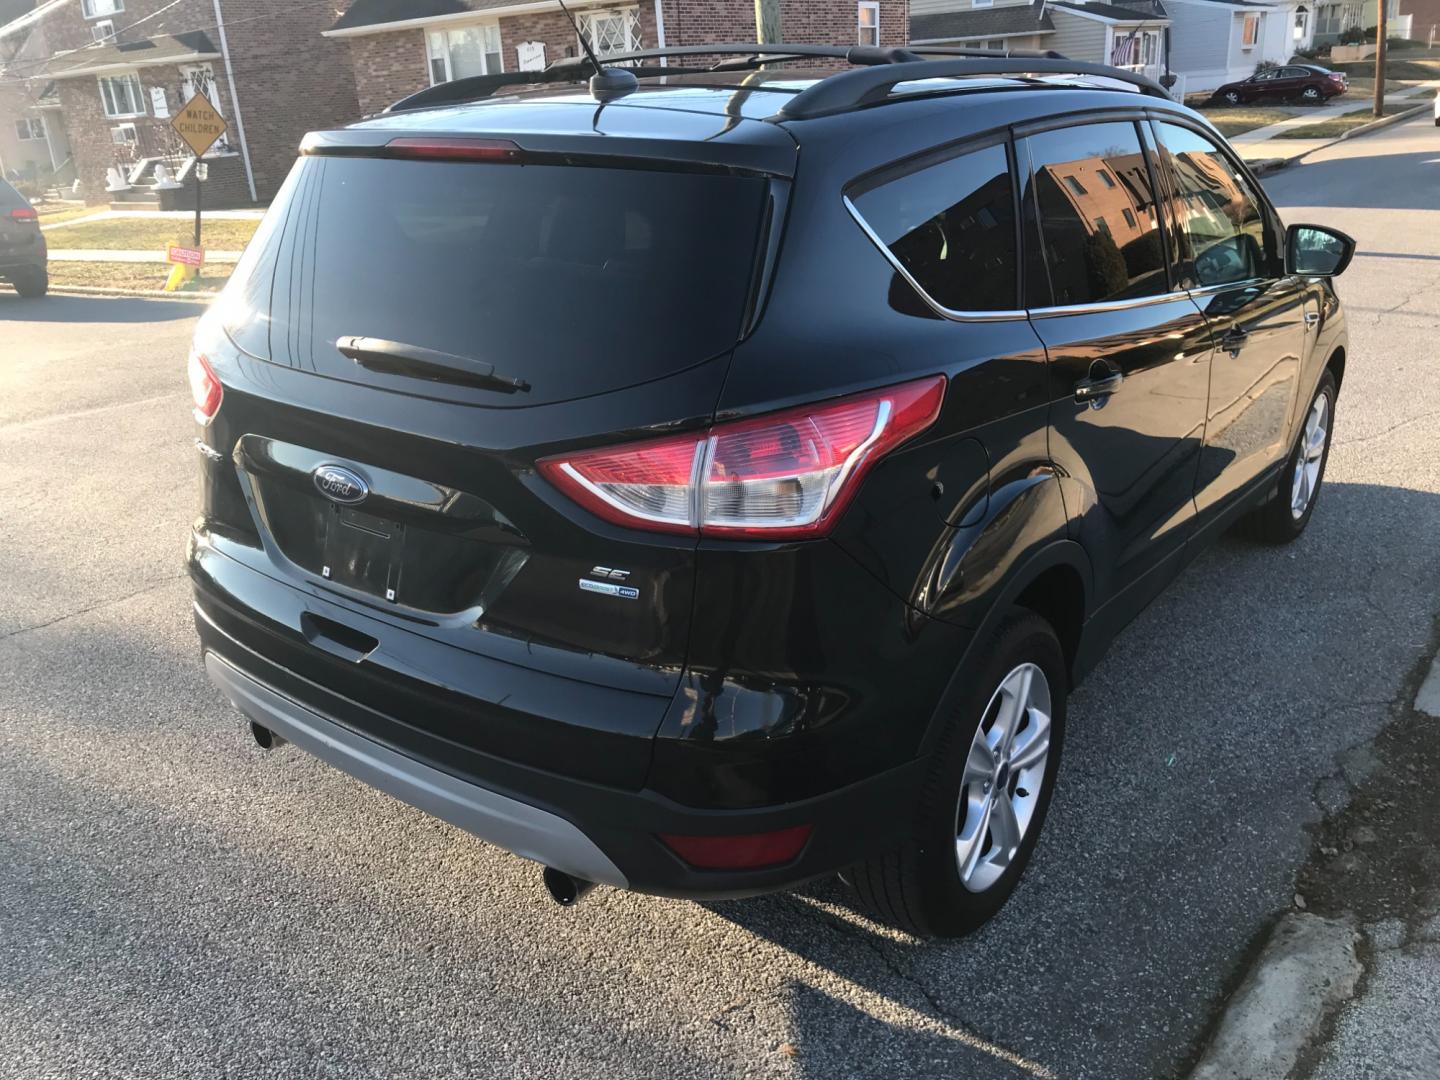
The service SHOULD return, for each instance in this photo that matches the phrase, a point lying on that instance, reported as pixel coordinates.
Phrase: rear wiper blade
(397, 358)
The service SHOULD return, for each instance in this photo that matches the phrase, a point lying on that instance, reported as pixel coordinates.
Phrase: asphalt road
(174, 903)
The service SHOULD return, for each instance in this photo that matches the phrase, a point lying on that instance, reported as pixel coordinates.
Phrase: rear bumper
(592, 831)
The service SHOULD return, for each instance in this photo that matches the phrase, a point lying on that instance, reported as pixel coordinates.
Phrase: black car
(23, 258)
(1309, 83)
(705, 484)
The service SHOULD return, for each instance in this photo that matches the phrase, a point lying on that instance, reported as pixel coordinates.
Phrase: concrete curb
(1265, 166)
(147, 294)
(1307, 969)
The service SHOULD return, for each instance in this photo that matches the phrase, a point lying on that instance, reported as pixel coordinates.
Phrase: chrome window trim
(1108, 305)
(935, 305)
(1247, 283)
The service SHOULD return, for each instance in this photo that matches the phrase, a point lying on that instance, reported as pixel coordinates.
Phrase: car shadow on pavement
(96, 309)
(1328, 183)
(1184, 810)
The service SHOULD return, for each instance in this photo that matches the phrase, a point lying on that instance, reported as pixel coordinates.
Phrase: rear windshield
(576, 280)
(9, 197)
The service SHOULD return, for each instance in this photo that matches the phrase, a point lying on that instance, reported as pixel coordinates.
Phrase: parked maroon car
(1303, 82)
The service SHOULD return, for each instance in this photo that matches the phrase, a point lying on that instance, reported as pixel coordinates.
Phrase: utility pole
(1380, 35)
(767, 21)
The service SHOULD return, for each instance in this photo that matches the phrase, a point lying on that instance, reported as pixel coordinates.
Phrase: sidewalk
(210, 215)
(1269, 142)
(104, 255)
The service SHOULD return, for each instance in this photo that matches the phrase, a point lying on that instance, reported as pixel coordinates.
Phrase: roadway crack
(93, 607)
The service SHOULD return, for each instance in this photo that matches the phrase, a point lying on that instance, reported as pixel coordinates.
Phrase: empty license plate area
(363, 552)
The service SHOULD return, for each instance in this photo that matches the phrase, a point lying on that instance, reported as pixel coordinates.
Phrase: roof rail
(878, 69)
(866, 86)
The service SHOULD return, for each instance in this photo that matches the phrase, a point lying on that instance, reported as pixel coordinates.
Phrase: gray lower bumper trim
(508, 823)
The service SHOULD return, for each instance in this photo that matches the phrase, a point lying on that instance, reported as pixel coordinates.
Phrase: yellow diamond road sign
(199, 124)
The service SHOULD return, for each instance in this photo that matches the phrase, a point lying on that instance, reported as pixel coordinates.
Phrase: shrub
(1265, 65)
(1356, 36)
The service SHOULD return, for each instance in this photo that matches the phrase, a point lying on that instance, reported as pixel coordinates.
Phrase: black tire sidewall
(31, 283)
(947, 907)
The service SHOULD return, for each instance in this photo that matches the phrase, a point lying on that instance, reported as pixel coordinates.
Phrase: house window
(469, 50)
(1075, 185)
(869, 23)
(93, 9)
(1301, 18)
(982, 3)
(103, 30)
(616, 30)
(30, 127)
(122, 95)
(1105, 178)
(1250, 32)
(124, 135)
(1128, 216)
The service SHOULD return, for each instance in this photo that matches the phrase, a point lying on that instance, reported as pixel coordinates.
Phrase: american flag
(1122, 55)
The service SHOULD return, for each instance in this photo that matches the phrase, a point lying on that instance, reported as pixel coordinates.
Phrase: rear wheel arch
(1336, 366)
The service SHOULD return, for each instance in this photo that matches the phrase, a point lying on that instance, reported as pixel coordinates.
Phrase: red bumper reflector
(23, 213)
(748, 851)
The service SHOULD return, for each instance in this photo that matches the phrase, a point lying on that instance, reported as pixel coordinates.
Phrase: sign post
(199, 123)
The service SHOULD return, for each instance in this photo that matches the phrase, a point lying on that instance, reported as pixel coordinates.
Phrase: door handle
(1311, 318)
(1094, 390)
(1234, 340)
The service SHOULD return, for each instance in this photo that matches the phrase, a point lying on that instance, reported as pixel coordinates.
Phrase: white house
(1218, 41)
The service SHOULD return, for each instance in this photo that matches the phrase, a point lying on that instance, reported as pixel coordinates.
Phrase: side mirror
(1315, 251)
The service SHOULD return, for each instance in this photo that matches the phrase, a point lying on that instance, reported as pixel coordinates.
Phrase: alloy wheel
(1004, 777)
(1309, 456)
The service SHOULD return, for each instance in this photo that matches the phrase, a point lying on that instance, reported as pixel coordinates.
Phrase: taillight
(748, 851)
(448, 149)
(785, 475)
(205, 388)
(23, 213)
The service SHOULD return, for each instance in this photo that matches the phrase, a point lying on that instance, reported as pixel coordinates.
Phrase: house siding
(388, 65)
(935, 7)
(1077, 37)
(1200, 43)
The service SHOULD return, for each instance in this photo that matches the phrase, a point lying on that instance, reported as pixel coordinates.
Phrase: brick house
(115, 71)
(401, 46)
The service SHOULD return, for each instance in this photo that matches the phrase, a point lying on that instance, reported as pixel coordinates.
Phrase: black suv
(718, 478)
(23, 255)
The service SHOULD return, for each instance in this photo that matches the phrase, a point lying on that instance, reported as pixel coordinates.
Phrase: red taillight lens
(205, 388)
(750, 851)
(786, 475)
(455, 149)
(23, 213)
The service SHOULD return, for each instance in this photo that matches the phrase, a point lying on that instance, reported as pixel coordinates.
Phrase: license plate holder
(364, 552)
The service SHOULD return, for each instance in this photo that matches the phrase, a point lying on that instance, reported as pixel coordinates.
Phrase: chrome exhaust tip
(265, 738)
(565, 890)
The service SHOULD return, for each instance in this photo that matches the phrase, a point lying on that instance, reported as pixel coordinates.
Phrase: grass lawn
(1419, 69)
(116, 275)
(1243, 118)
(151, 234)
(1329, 129)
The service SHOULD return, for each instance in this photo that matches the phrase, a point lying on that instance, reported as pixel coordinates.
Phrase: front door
(1128, 352)
(1259, 318)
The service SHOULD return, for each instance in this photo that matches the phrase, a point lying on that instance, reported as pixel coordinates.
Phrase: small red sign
(185, 256)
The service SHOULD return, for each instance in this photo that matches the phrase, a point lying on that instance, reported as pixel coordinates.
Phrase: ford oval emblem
(340, 484)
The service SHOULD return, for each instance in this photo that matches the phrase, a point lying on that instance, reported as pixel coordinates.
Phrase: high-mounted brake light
(205, 388)
(23, 213)
(787, 475)
(433, 149)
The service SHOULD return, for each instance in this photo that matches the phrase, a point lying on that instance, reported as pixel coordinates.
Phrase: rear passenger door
(1128, 350)
(1231, 259)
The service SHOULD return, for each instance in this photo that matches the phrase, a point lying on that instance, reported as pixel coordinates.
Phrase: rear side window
(574, 279)
(1090, 204)
(1223, 230)
(952, 227)
(9, 197)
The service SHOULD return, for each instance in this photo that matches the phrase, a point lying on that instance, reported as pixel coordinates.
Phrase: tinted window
(577, 280)
(1222, 229)
(1294, 73)
(9, 197)
(952, 226)
(1089, 196)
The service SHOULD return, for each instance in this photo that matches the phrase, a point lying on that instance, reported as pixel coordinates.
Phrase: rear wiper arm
(397, 358)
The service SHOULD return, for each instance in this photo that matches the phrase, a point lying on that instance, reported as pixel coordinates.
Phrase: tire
(1310, 95)
(31, 282)
(1231, 98)
(1277, 521)
(919, 887)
